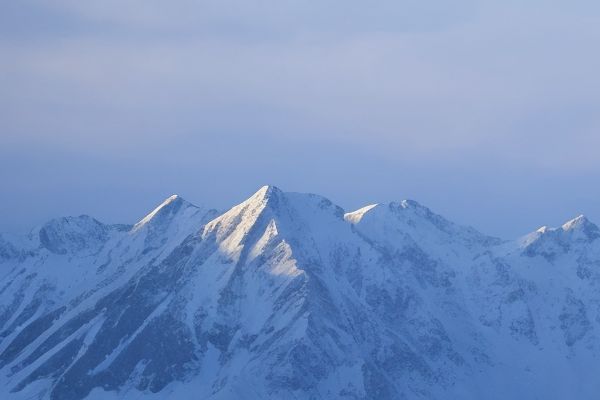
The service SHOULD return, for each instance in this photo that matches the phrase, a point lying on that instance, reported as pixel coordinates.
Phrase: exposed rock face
(285, 296)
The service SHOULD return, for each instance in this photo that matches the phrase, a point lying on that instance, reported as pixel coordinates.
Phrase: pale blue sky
(488, 112)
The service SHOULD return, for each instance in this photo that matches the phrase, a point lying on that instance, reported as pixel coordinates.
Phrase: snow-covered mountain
(287, 296)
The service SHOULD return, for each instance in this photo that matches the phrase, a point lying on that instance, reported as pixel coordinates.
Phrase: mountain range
(288, 296)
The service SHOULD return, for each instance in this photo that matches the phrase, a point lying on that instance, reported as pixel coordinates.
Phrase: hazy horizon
(485, 112)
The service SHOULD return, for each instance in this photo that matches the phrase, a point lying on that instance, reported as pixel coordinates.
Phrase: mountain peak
(354, 217)
(270, 212)
(551, 241)
(409, 219)
(581, 228)
(67, 234)
(172, 205)
(576, 223)
(408, 203)
(266, 193)
(268, 196)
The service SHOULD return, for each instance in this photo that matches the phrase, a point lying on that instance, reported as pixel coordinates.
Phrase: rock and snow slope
(286, 296)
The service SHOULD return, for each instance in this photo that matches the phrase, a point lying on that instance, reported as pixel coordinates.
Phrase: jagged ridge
(285, 296)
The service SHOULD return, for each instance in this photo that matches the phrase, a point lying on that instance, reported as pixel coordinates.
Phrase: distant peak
(582, 227)
(175, 198)
(68, 234)
(354, 217)
(394, 207)
(411, 204)
(579, 229)
(170, 205)
(266, 194)
(580, 221)
(268, 191)
(80, 220)
(414, 207)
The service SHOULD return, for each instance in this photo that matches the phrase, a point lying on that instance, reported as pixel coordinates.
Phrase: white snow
(287, 285)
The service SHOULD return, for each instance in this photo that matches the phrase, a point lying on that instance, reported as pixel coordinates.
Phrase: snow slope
(287, 296)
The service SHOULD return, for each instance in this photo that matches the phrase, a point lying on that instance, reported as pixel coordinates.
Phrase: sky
(487, 112)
